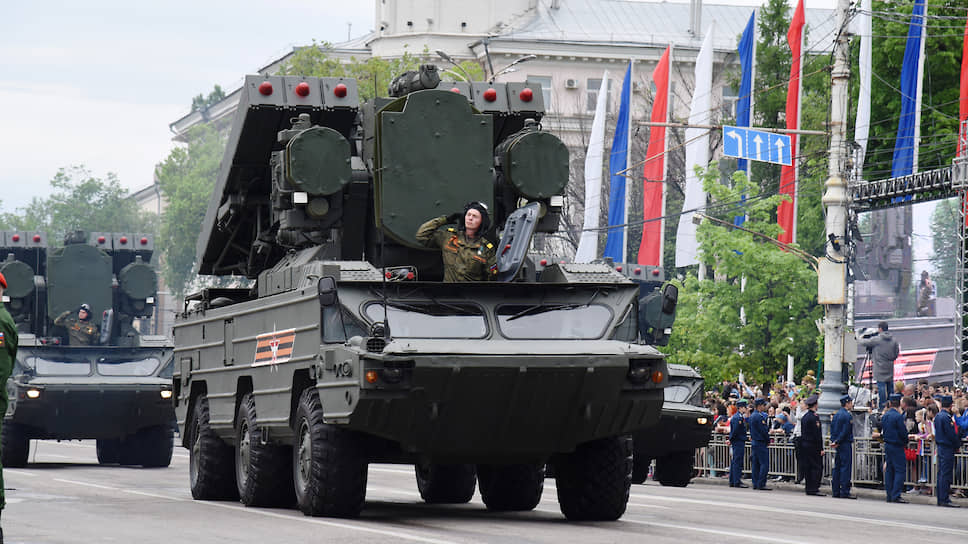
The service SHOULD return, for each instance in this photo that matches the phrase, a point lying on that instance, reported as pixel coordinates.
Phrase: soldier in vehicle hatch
(80, 329)
(467, 255)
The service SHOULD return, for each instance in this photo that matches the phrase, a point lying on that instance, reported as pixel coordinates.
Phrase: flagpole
(628, 155)
(917, 98)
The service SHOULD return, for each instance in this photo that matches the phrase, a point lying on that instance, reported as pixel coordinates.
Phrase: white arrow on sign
(779, 150)
(739, 139)
(759, 141)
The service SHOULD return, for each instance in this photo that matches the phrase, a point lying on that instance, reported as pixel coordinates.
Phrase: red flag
(786, 213)
(653, 199)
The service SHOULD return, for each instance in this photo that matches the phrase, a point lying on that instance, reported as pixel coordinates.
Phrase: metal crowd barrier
(868, 465)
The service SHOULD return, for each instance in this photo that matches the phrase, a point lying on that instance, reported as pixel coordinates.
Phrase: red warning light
(265, 88)
(388, 275)
(302, 89)
(526, 95)
(123, 240)
(619, 268)
(410, 275)
(638, 271)
(144, 241)
(655, 272)
(15, 237)
(339, 90)
(36, 238)
(543, 262)
(455, 90)
(100, 239)
(490, 95)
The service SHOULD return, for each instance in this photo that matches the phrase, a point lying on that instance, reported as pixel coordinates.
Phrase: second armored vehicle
(86, 373)
(350, 350)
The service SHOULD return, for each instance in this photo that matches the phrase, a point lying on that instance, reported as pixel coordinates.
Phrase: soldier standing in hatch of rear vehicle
(8, 354)
(80, 329)
(467, 255)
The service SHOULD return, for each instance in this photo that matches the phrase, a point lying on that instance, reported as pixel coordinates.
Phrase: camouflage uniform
(465, 259)
(81, 333)
(8, 354)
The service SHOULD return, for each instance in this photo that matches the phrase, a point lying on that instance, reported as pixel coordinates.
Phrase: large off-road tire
(155, 445)
(108, 451)
(511, 487)
(16, 446)
(263, 472)
(675, 469)
(329, 467)
(593, 482)
(445, 484)
(211, 462)
(640, 469)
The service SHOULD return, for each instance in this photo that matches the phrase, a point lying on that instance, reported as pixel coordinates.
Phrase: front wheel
(328, 465)
(511, 488)
(108, 451)
(156, 445)
(16, 446)
(593, 481)
(211, 463)
(675, 469)
(445, 484)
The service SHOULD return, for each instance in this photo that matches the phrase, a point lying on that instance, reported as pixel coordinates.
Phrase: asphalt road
(64, 496)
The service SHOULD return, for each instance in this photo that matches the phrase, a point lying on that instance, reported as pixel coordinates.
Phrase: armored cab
(95, 377)
(350, 349)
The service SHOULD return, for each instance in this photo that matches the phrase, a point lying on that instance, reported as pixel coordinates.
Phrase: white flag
(588, 245)
(863, 124)
(697, 153)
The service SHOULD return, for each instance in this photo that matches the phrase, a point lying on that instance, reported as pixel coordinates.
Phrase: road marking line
(19, 472)
(391, 470)
(821, 515)
(397, 535)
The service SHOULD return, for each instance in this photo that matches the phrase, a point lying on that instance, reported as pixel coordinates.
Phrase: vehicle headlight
(33, 393)
(166, 394)
(702, 420)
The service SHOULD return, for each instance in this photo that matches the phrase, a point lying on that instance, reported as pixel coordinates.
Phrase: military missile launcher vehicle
(350, 350)
(86, 379)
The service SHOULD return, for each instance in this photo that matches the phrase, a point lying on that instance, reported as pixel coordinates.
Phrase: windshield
(685, 392)
(61, 366)
(553, 321)
(430, 319)
(146, 366)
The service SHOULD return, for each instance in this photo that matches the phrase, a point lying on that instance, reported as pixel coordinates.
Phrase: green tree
(202, 103)
(82, 201)
(186, 178)
(373, 75)
(779, 298)
(944, 226)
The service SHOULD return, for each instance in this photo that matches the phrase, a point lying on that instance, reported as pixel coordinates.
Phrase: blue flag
(617, 163)
(745, 103)
(903, 163)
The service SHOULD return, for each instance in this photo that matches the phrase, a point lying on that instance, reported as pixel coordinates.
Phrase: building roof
(641, 23)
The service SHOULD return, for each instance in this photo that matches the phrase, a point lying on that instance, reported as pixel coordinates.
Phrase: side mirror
(326, 291)
(670, 298)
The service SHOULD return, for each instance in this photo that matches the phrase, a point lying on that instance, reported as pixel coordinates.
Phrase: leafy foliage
(944, 226)
(82, 201)
(187, 177)
(202, 103)
(779, 296)
(373, 75)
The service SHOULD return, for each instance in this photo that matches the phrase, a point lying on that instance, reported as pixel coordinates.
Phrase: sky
(96, 83)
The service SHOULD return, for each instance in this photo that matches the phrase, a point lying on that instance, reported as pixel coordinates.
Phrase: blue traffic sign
(757, 145)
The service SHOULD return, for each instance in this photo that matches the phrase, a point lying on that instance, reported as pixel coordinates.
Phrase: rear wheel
(675, 469)
(511, 487)
(109, 451)
(445, 484)
(640, 469)
(262, 470)
(211, 462)
(593, 482)
(328, 465)
(16, 446)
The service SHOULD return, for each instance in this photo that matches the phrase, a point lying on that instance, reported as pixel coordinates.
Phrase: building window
(591, 96)
(545, 82)
(730, 99)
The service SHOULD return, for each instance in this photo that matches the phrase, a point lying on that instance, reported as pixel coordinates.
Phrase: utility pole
(832, 274)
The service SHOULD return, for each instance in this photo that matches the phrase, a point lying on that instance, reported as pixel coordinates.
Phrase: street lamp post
(444, 56)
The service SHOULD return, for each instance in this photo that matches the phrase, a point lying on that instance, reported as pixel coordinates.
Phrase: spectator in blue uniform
(811, 446)
(737, 442)
(759, 442)
(895, 435)
(842, 440)
(948, 443)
